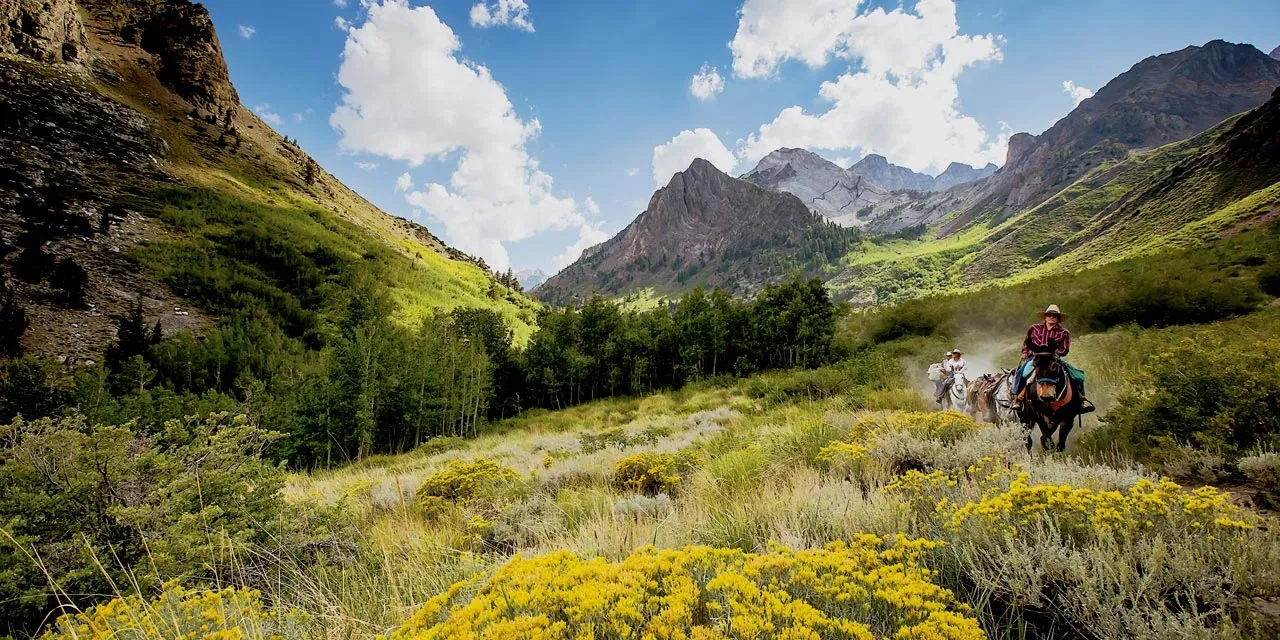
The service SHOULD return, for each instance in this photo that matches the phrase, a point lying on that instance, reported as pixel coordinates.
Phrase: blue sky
(532, 128)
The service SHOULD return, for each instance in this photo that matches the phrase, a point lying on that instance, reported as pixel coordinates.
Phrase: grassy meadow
(823, 503)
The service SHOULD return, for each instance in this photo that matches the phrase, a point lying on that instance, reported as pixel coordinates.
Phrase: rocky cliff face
(43, 30)
(182, 41)
(822, 186)
(1275, 53)
(704, 227)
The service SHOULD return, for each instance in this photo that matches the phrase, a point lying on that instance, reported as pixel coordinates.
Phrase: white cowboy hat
(948, 354)
(957, 351)
(1053, 309)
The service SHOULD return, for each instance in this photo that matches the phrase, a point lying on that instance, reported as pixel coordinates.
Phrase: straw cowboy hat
(956, 351)
(1053, 308)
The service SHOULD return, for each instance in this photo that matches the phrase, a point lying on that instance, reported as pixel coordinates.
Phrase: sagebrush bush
(180, 613)
(1149, 561)
(867, 589)
(1263, 471)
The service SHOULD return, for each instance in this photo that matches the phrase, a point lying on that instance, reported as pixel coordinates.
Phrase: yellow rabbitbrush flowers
(1083, 513)
(461, 481)
(178, 613)
(864, 590)
(648, 473)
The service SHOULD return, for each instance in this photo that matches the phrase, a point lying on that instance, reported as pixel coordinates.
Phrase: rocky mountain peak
(703, 226)
(1275, 53)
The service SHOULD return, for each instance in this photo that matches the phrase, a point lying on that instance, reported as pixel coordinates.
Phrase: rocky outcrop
(181, 38)
(1275, 53)
(703, 227)
(44, 30)
(823, 186)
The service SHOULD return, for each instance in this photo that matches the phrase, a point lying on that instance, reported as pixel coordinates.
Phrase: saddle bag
(935, 372)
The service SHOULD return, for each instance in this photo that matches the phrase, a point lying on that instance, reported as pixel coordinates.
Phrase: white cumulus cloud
(588, 236)
(678, 153)
(267, 115)
(706, 83)
(512, 13)
(247, 31)
(899, 98)
(367, 166)
(342, 23)
(410, 96)
(340, 3)
(632, 172)
(404, 182)
(1078, 94)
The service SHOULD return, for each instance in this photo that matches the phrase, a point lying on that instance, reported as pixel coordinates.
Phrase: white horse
(955, 396)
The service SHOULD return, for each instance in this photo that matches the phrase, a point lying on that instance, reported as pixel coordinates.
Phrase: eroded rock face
(181, 37)
(44, 30)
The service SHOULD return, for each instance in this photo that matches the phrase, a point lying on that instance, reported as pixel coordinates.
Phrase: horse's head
(1046, 374)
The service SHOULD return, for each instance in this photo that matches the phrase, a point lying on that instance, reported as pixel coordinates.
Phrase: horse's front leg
(1063, 431)
(1046, 436)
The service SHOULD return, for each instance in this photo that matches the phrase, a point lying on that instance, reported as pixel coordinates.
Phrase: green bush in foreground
(1211, 394)
(95, 509)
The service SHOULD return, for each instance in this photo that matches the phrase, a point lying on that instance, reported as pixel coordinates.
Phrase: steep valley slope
(127, 163)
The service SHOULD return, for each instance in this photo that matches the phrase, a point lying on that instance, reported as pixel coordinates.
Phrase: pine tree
(13, 323)
(309, 173)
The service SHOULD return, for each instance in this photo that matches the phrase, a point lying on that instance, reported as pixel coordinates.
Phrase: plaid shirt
(1040, 335)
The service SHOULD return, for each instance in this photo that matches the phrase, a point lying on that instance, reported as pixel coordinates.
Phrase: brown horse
(985, 402)
(1050, 401)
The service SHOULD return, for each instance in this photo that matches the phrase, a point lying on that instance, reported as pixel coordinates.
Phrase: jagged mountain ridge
(111, 107)
(821, 185)
(879, 170)
(705, 227)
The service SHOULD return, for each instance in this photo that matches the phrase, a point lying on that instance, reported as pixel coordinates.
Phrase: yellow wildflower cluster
(647, 472)
(937, 491)
(1083, 513)
(871, 588)
(845, 457)
(178, 613)
(460, 481)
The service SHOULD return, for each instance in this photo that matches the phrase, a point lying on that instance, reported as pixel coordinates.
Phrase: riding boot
(1086, 406)
(1016, 403)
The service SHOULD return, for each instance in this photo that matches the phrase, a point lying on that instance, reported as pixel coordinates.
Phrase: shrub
(106, 505)
(734, 473)
(179, 613)
(592, 442)
(461, 481)
(1269, 278)
(1206, 394)
(1148, 561)
(1188, 464)
(861, 590)
(440, 444)
(648, 473)
(1263, 470)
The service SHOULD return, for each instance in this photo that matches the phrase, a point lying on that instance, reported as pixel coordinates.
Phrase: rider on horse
(950, 366)
(1043, 336)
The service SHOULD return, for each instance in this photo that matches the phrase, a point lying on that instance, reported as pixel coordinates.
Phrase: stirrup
(1086, 406)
